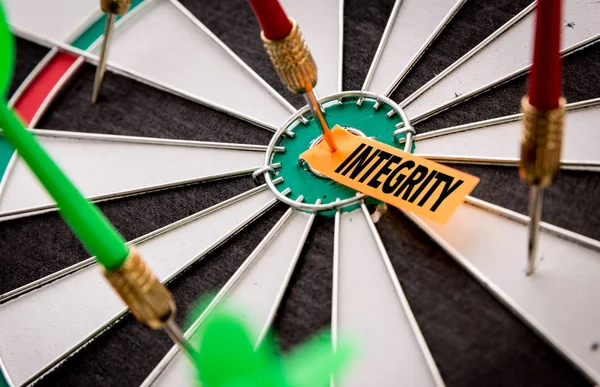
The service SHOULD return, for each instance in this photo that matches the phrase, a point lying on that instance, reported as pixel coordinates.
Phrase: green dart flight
(227, 357)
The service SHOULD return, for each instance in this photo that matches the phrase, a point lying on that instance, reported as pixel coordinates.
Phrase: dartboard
(192, 151)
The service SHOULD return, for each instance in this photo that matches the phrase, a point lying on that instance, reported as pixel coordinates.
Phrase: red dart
(545, 81)
(543, 118)
(291, 58)
(272, 18)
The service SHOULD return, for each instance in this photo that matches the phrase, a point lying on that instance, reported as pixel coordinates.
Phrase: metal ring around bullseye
(298, 116)
(264, 169)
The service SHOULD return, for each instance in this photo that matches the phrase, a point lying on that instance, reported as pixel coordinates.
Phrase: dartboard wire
(122, 193)
(288, 276)
(564, 53)
(567, 163)
(416, 331)
(335, 281)
(39, 68)
(234, 280)
(118, 314)
(67, 76)
(230, 52)
(383, 44)
(4, 374)
(498, 292)
(55, 48)
(468, 55)
(149, 140)
(544, 226)
(340, 80)
(92, 58)
(497, 120)
(11, 295)
(54, 51)
(438, 30)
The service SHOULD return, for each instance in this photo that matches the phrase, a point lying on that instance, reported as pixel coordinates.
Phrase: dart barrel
(115, 7)
(292, 60)
(541, 143)
(149, 300)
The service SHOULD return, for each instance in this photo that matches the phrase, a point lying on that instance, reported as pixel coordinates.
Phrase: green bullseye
(373, 123)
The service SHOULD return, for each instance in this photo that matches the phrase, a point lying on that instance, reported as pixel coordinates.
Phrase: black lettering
(411, 181)
(360, 162)
(422, 187)
(383, 171)
(432, 189)
(446, 190)
(382, 155)
(388, 187)
(353, 155)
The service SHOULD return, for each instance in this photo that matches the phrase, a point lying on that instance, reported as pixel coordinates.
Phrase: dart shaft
(108, 29)
(112, 9)
(297, 70)
(90, 225)
(541, 146)
(317, 111)
(178, 338)
(536, 196)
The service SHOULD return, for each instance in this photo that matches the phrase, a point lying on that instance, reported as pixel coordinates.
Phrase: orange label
(401, 179)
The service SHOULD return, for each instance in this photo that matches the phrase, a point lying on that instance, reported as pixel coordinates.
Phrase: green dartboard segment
(373, 123)
(90, 225)
(95, 31)
(6, 152)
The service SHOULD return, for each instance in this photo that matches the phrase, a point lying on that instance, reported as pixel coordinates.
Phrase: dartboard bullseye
(361, 113)
(193, 151)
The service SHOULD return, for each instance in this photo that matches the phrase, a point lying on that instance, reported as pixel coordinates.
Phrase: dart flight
(398, 178)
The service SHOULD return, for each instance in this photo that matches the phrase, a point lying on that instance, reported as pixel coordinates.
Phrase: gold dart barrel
(541, 143)
(149, 300)
(292, 60)
(115, 7)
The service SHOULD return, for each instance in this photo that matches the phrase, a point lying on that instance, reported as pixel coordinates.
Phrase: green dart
(149, 301)
(90, 225)
(227, 357)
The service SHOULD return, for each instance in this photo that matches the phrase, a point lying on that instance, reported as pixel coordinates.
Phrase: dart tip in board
(99, 77)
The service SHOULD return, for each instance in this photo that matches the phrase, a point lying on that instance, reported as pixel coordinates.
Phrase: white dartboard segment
(507, 53)
(371, 308)
(410, 32)
(500, 139)
(56, 19)
(560, 300)
(105, 166)
(320, 22)
(255, 290)
(41, 326)
(165, 46)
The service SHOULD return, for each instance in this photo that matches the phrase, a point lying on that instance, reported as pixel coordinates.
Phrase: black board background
(474, 339)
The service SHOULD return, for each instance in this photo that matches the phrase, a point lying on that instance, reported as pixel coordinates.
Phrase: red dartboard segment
(32, 98)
